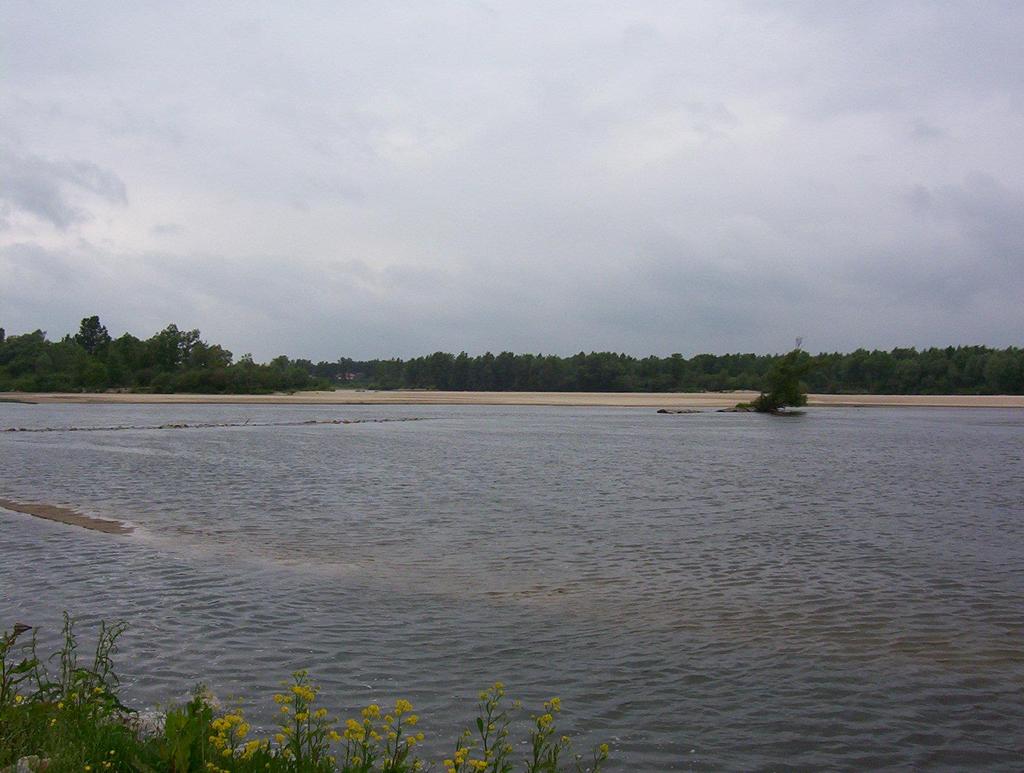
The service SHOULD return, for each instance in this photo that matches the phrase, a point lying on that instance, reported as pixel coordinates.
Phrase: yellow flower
(545, 721)
(279, 737)
(556, 704)
(371, 712)
(19, 698)
(320, 713)
(333, 735)
(411, 720)
(603, 748)
(302, 716)
(354, 731)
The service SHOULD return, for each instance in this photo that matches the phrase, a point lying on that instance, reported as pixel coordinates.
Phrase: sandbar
(66, 515)
(710, 400)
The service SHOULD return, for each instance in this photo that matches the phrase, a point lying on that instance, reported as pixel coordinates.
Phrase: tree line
(176, 360)
(950, 370)
(172, 360)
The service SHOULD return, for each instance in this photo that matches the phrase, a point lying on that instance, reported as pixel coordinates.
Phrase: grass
(73, 720)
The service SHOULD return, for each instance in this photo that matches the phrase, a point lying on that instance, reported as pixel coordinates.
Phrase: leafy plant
(75, 720)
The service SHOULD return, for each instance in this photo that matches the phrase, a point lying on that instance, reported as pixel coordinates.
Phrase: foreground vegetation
(73, 720)
(176, 360)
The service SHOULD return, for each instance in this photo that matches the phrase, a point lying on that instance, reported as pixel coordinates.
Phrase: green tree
(783, 382)
(92, 336)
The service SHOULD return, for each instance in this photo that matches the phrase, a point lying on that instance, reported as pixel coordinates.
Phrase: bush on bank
(73, 720)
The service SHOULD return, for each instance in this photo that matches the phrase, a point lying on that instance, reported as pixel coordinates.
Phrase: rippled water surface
(714, 591)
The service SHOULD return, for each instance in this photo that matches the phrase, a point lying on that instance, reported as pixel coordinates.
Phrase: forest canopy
(175, 360)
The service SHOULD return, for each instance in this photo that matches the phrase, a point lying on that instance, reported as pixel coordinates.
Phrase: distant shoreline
(708, 400)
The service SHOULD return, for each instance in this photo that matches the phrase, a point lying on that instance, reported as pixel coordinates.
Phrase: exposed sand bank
(595, 399)
(66, 515)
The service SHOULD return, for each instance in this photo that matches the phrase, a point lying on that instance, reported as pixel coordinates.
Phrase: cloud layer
(395, 178)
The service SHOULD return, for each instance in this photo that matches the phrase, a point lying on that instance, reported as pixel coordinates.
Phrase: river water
(839, 590)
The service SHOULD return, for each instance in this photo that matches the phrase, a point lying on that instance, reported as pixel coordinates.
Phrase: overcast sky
(380, 179)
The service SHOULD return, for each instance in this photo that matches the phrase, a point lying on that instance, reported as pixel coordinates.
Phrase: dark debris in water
(215, 425)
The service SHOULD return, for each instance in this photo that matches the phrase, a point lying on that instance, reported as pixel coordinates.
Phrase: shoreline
(708, 400)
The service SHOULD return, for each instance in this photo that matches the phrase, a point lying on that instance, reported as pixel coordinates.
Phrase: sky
(377, 179)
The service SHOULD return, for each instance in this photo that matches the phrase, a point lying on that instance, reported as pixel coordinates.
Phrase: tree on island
(783, 381)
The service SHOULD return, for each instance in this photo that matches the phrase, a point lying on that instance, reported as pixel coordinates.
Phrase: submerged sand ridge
(66, 515)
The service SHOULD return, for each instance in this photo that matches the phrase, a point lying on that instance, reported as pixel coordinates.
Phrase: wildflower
(603, 748)
(411, 720)
(19, 698)
(354, 731)
(371, 712)
(333, 735)
(545, 721)
(320, 713)
(279, 737)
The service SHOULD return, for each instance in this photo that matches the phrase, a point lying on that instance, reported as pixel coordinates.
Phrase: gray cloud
(390, 179)
(49, 190)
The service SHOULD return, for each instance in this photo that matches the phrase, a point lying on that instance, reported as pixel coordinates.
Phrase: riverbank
(710, 400)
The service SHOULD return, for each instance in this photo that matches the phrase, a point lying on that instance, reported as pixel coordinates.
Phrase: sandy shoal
(595, 399)
(66, 515)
